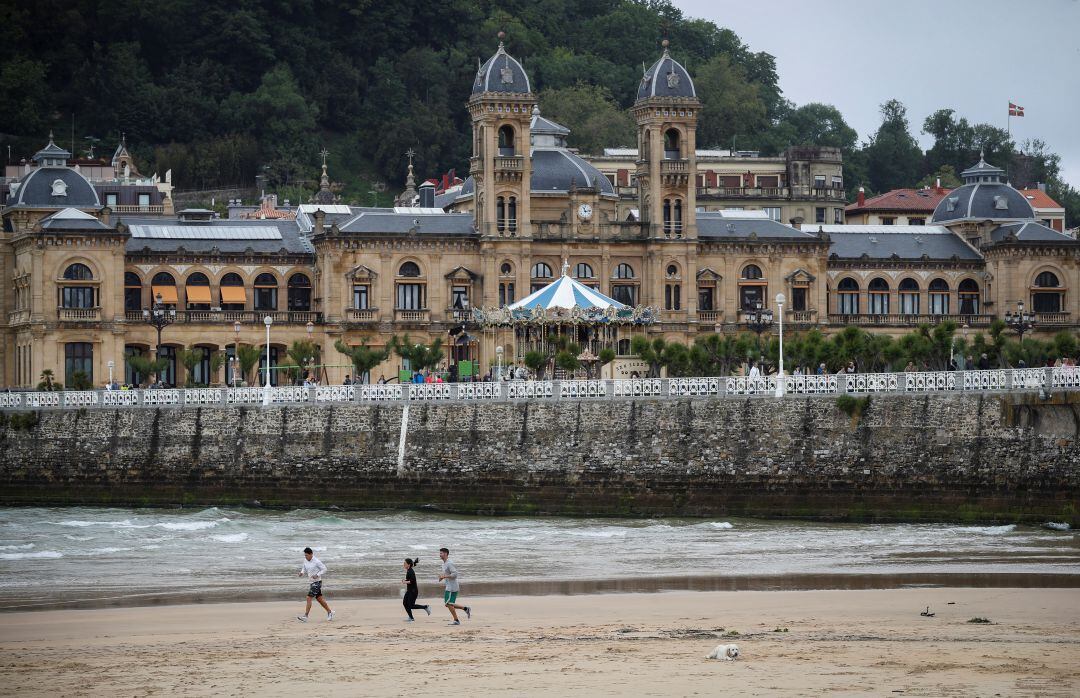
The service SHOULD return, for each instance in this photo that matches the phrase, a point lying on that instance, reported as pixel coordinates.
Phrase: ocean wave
(190, 525)
(595, 534)
(988, 530)
(418, 547)
(81, 539)
(40, 555)
(106, 551)
(28, 546)
(126, 523)
(721, 524)
(231, 537)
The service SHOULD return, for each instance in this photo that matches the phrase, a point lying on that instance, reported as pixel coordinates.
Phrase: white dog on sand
(726, 652)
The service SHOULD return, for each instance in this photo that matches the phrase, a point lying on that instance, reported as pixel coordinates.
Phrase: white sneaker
(330, 615)
(302, 619)
(410, 620)
(456, 622)
(428, 609)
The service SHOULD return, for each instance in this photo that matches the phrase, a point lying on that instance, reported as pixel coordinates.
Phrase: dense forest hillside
(220, 92)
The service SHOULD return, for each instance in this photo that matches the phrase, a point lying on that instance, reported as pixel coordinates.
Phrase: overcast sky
(972, 56)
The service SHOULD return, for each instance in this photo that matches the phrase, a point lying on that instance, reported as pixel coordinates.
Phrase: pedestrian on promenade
(984, 362)
(314, 569)
(347, 381)
(449, 577)
(755, 372)
(411, 591)
(910, 368)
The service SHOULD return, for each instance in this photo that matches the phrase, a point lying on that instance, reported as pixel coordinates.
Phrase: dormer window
(1001, 203)
(59, 187)
(951, 202)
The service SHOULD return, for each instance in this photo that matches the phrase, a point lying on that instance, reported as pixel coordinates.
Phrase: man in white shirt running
(314, 568)
(449, 577)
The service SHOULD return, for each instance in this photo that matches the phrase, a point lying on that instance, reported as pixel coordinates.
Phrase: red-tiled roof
(1039, 199)
(912, 200)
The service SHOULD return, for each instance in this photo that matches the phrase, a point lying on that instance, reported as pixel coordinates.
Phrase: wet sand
(841, 642)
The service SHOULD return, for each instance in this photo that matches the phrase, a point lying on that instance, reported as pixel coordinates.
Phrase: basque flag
(1015, 110)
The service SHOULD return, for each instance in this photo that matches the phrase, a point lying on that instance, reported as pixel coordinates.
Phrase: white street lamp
(780, 375)
(498, 362)
(111, 365)
(266, 392)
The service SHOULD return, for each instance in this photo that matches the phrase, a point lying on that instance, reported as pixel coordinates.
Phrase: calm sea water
(92, 556)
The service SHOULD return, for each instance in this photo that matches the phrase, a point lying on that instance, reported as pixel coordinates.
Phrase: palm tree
(363, 357)
(248, 356)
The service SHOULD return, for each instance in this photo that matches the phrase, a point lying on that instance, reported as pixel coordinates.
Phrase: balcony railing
(412, 315)
(899, 320)
(79, 314)
(1051, 319)
(246, 317)
(674, 167)
(504, 162)
(362, 314)
(714, 317)
(806, 317)
(129, 208)
(744, 192)
(18, 317)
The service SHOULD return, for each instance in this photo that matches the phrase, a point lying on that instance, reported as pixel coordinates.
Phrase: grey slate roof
(555, 169)
(666, 78)
(390, 223)
(1029, 232)
(981, 202)
(541, 125)
(70, 219)
(910, 242)
(717, 226)
(35, 190)
(291, 240)
(501, 73)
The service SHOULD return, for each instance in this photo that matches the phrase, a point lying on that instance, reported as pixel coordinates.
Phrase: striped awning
(566, 293)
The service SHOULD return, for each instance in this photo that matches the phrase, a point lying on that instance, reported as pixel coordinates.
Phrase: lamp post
(498, 362)
(1020, 322)
(758, 319)
(236, 350)
(780, 374)
(111, 365)
(159, 317)
(267, 391)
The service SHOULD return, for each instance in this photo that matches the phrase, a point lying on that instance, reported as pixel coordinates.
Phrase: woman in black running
(411, 591)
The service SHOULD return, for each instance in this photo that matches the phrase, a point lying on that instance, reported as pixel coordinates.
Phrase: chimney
(1041, 186)
(320, 220)
(861, 200)
(106, 213)
(427, 195)
(937, 186)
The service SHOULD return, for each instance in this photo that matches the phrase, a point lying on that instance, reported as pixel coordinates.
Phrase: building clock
(584, 212)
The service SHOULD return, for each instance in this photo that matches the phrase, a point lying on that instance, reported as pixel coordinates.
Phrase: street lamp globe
(310, 328)
(268, 321)
(236, 327)
(780, 300)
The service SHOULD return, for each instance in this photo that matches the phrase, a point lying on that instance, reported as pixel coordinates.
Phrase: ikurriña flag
(1015, 110)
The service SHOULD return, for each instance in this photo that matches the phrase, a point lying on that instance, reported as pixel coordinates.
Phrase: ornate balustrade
(1023, 379)
(78, 314)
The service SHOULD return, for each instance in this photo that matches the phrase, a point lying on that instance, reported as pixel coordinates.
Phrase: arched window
(968, 295)
(540, 270)
(78, 272)
(506, 269)
(677, 218)
(847, 292)
(753, 288)
(132, 291)
(511, 214)
(233, 293)
(622, 348)
(410, 269)
(506, 140)
(624, 271)
(672, 271)
(751, 272)
(163, 284)
(1047, 296)
(625, 293)
(909, 297)
(500, 213)
(667, 216)
(939, 297)
(583, 270)
(265, 292)
(879, 296)
(671, 144)
(299, 293)
(197, 290)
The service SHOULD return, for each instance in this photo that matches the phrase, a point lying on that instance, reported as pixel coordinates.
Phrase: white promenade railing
(1027, 379)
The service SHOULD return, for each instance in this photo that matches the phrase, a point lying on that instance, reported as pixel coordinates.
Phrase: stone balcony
(905, 320)
(78, 314)
(412, 316)
(245, 317)
(362, 315)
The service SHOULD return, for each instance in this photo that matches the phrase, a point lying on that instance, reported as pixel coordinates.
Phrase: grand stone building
(76, 275)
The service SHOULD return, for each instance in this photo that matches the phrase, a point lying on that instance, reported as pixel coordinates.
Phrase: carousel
(564, 310)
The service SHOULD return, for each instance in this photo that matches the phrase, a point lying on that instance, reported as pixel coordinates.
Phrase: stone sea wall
(927, 457)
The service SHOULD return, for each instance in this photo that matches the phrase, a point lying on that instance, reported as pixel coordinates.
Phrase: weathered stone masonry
(967, 456)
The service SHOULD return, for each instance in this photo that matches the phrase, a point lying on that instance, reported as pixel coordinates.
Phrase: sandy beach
(840, 642)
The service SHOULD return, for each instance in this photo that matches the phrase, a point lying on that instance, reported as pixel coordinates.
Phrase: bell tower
(666, 111)
(501, 107)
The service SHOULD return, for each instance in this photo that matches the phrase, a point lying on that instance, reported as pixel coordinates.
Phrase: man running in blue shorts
(315, 569)
(449, 577)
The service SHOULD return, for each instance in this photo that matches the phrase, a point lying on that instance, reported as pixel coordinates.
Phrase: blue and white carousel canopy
(566, 301)
(566, 293)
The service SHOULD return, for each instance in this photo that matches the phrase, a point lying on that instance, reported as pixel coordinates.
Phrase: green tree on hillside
(893, 156)
(594, 118)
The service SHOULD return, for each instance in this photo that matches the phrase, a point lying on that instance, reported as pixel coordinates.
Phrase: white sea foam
(28, 546)
(596, 534)
(106, 551)
(231, 537)
(41, 555)
(126, 523)
(81, 539)
(418, 547)
(720, 524)
(151, 547)
(189, 525)
(989, 530)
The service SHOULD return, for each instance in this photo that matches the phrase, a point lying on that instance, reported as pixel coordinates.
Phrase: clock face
(584, 212)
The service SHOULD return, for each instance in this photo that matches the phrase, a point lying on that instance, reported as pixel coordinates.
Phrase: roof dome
(55, 187)
(984, 196)
(559, 170)
(501, 73)
(666, 78)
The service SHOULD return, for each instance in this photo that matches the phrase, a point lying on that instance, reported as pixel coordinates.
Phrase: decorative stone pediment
(462, 274)
(362, 272)
(708, 274)
(800, 277)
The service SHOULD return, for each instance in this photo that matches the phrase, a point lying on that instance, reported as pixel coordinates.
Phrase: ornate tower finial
(502, 35)
(324, 152)
(665, 43)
